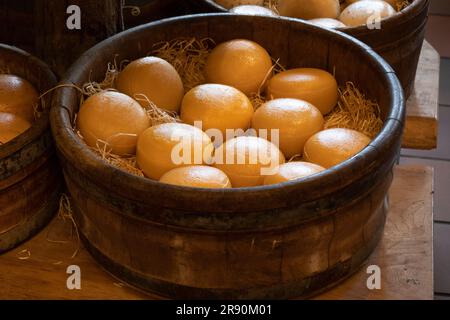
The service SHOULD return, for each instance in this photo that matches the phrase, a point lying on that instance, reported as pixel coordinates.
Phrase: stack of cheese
(18, 99)
(326, 13)
(219, 140)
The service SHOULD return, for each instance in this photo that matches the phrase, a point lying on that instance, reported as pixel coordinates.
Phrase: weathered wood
(273, 241)
(422, 106)
(17, 24)
(398, 41)
(58, 45)
(405, 253)
(404, 256)
(30, 178)
(144, 11)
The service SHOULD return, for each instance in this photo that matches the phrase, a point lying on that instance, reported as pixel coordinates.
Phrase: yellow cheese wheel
(293, 171)
(309, 9)
(197, 176)
(242, 64)
(296, 120)
(217, 106)
(170, 145)
(233, 3)
(365, 12)
(393, 3)
(252, 10)
(11, 126)
(156, 79)
(316, 86)
(333, 146)
(327, 23)
(248, 160)
(17, 96)
(114, 119)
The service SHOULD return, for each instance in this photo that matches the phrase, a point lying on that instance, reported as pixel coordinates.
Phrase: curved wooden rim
(412, 10)
(139, 189)
(40, 125)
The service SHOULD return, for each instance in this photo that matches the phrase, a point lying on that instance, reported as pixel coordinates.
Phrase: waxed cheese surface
(246, 160)
(170, 145)
(112, 119)
(17, 96)
(365, 12)
(315, 86)
(197, 176)
(330, 147)
(309, 9)
(295, 121)
(154, 78)
(292, 171)
(239, 63)
(217, 106)
(11, 126)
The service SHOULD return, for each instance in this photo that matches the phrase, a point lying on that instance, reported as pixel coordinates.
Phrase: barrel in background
(399, 41)
(30, 177)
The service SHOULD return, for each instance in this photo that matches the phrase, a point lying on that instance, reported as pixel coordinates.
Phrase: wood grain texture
(152, 10)
(17, 24)
(422, 106)
(404, 256)
(59, 46)
(405, 253)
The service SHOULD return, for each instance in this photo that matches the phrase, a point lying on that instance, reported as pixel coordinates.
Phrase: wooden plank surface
(37, 269)
(422, 106)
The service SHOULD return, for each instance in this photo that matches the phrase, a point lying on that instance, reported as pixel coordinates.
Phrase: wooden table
(422, 106)
(37, 269)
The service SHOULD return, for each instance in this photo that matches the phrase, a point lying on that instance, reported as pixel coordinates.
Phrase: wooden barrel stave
(190, 260)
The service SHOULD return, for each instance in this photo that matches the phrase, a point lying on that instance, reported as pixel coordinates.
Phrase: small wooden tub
(282, 241)
(30, 177)
(399, 41)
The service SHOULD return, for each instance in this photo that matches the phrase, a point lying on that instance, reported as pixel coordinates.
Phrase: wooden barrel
(30, 177)
(399, 40)
(281, 241)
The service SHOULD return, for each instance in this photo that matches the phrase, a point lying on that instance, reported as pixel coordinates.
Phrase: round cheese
(327, 23)
(309, 9)
(295, 121)
(366, 12)
(293, 171)
(197, 176)
(248, 160)
(154, 78)
(332, 146)
(18, 96)
(316, 86)
(242, 64)
(11, 126)
(170, 145)
(112, 119)
(217, 107)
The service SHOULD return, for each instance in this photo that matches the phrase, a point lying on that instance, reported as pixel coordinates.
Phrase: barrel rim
(413, 9)
(74, 150)
(40, 125)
